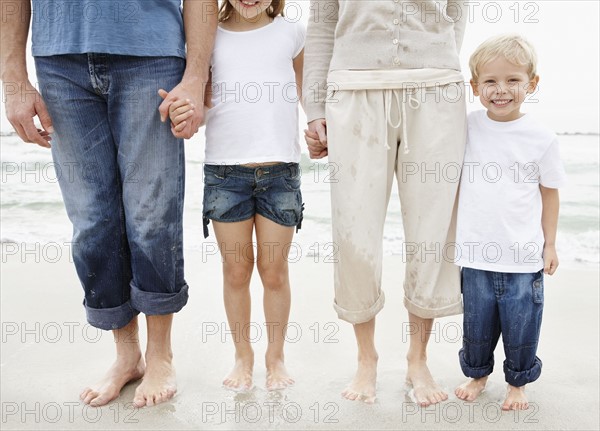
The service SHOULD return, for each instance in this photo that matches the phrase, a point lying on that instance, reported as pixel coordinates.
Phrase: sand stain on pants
(417, 136)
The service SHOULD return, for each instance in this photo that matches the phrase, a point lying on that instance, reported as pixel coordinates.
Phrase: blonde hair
(226, 9)
(513, 47)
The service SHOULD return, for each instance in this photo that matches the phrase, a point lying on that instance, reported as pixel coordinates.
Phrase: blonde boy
(507, 220)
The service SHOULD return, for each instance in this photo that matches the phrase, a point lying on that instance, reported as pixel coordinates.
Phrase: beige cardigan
(378, 35)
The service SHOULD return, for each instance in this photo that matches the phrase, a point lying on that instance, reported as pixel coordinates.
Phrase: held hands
(316, 138)
(23, 103)
(179, 113)
(189, 119)
(550, 259)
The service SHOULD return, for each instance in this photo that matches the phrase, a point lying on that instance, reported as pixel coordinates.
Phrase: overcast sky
(565, 34)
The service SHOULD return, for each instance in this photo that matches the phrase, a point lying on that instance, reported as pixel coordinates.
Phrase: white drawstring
(412, 101)
(388, 113)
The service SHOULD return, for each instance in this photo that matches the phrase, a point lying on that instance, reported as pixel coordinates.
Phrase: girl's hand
(316, 138)
(316, 149)
(179, 112)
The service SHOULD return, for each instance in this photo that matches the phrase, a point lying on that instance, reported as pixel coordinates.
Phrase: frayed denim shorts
(234, 193)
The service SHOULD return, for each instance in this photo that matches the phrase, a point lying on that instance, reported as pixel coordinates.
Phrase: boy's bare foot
(159, 383)
(515, 399)
(425, 391)
(240, 378)
(277, 375)
(471, 389)
(363, 386)
(123, 371)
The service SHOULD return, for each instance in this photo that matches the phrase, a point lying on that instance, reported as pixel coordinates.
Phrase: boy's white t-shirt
(254, 117)
(499, 225)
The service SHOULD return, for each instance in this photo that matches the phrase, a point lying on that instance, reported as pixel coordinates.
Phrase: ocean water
(32, 211)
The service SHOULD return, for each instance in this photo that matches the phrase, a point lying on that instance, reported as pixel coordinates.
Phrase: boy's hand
(550, 259)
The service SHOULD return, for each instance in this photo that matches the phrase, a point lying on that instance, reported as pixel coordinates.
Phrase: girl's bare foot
(277, 375)
(240, 378)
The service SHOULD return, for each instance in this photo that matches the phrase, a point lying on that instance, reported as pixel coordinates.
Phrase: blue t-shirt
(147, 28)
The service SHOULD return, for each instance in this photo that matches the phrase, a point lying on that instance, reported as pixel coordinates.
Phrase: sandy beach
(49, 354)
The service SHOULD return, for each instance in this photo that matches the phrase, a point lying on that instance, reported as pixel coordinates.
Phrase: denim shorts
(234, 193)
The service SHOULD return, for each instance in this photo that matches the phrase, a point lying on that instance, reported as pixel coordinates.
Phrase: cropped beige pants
(419, 137)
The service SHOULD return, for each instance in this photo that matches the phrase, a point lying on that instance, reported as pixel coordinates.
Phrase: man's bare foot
(123, 371)
(471, 389)
(515, 399)
(363, 386)
(277, 375)
(159, 383)
(240, 378)
(425, 391)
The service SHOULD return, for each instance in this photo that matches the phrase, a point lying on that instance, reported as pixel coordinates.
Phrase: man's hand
(316, 138)
(23, 103)
(184, 91)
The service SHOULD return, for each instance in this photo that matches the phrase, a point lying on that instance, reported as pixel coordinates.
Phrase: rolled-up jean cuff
(110, 318)
(474, 372)
(432, 313)
(521, 378)
(156, 303)
(361, 316)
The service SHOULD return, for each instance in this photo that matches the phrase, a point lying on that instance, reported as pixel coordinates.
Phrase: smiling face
(251, 10)
(502, 88)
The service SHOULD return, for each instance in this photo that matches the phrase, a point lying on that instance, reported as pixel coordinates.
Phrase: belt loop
(222, 170)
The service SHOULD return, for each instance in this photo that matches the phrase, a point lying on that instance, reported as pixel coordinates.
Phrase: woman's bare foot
(123, 371)
(277, 375)
(159, 383)
(515, 399)
(240, 378)
(470, 390)
(363, 386)
(425, 391)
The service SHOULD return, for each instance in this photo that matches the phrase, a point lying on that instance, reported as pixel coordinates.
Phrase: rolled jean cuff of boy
(156, 303)
(474, 372)
(110, 318)
(521, 378)
(361, 316)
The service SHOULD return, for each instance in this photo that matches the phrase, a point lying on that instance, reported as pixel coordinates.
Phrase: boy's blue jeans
(497, 303)
(121, 173)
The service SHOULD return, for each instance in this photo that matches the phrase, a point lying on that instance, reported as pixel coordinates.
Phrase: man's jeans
(507, 303)
(121, 173)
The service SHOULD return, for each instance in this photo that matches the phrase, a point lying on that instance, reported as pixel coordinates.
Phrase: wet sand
(49, 354)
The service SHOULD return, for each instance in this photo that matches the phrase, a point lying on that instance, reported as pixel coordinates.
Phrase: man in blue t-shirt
(100, 66)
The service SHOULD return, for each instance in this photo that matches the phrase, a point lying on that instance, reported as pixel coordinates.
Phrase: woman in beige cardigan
(384, 97)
